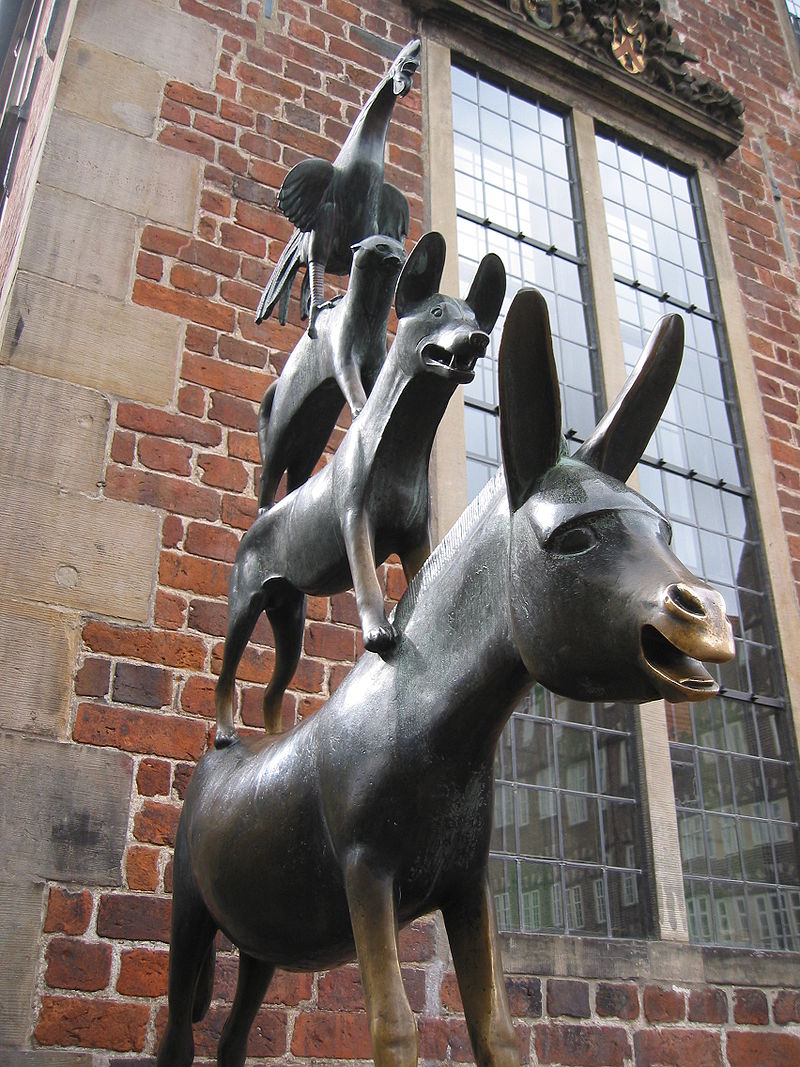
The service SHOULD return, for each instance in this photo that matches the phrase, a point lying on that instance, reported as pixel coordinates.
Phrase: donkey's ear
(621, 436)
(421, 274)
(530, 403)
(486, 293)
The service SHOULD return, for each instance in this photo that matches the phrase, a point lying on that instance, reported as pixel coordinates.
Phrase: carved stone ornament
(597, 37)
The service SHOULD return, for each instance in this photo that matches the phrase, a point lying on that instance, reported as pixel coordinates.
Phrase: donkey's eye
(573, 541)
(437, 312)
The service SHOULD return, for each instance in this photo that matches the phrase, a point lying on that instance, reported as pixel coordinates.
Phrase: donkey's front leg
(372, 913)
(472, 931)
(379, 634)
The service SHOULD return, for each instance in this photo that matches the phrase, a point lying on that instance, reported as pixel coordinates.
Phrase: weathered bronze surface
(341, 363)
(372, 498)
(336, 205)
(309, 848)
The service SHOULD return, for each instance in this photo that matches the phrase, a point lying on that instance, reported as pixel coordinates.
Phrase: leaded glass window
(732, 770)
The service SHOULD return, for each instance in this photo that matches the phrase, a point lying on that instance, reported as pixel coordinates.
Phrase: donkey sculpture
(310, 847)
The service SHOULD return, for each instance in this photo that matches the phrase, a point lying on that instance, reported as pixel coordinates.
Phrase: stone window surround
(544, 953)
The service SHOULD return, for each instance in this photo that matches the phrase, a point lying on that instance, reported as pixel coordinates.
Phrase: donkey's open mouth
(676, 674)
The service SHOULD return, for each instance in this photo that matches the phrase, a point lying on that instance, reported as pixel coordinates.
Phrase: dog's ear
(421, 274)
(487, 291)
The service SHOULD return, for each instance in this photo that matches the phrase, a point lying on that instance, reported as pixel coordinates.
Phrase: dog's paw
(381, 638)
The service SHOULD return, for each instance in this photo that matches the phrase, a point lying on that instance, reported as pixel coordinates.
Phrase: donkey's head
(601, 607)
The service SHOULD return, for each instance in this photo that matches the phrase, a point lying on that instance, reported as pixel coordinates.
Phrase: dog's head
(439, 334)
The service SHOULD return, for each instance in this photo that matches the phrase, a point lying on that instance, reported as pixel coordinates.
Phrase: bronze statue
(309, 848)
(336, 205)
(341, 363)
(372, 498)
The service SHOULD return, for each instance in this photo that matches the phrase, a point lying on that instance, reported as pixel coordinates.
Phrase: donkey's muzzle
(689, 628)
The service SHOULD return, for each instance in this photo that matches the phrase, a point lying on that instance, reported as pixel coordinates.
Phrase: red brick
(661, 1047)
(192, 400)
(417, 942)
(164, 424)
(237, 351)
(101, 1024)
(141, 868)
(223, 472)
(209, 616)
(212, 258)
(566, 996)
(187, 141)
(192, 97)
(234, 412)
(183, 775)
(750, 1007)
(68, 912)
(150, 733)
(134, 917)
(238, 26)
(185, 305)
(92, 679)
(325, 641)
(191, 280)
(620, 1001)
(222, 131)
(340, 990)
(242, 240)
(162, 491)
(143, 973)
(171, 531)
(204, 576)
(662, 1005)
(581, 1046)
(762, 1049)
(142, 685)
(786, 1007)
(239, 511)
(708, 1006)
(170, 610)
(167, 649)
(235, 380)
(123, 447)
(73, 964)
(153, 778)
(175, 113)
(524, 996)
(244, 446)
(160, 239)
(332, 1035)
(156, 823)
(213, 542)
(197, 696)
(444, 1040)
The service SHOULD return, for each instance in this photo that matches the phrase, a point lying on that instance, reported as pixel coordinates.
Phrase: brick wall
(180, 454)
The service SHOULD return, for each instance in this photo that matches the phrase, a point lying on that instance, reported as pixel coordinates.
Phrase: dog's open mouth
(459, 364)
(676, 675)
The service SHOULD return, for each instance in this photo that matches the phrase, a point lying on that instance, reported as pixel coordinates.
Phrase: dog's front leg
(348, 375)
(379, 634)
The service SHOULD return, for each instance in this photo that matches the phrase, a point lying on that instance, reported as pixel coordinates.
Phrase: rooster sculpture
(336, 205)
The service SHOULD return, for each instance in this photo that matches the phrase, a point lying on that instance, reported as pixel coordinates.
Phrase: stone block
(164, 39)
(20, 926)
(89, 554)
(87, 338)
(120, 169)
(55, 431)
(49, 1057)
(36, 657)
(109, 88)
(79, 242)
(63, 813)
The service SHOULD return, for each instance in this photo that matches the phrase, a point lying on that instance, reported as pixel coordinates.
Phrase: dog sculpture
(378, 808)
(300, 408)
(372, 498)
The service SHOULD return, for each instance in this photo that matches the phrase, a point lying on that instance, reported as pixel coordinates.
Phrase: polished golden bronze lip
(677, 674)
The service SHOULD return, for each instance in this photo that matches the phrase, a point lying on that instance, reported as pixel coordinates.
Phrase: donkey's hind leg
(191, 965)
(244, 607)
(287, 618)
(254, 977)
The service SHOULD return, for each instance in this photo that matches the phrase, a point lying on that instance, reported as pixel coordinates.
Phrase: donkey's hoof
(224, 738)
(381, 638)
